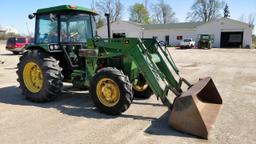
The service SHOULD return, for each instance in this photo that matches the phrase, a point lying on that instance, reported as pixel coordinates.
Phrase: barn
(228, 33)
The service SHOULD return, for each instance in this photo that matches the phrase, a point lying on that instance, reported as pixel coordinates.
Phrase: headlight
(53, 47)
(56, 47)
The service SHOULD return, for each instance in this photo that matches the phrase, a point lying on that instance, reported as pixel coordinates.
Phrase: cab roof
(65, 8)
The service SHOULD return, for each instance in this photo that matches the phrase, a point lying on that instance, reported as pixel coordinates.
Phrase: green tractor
(67, 49)
(205, 41)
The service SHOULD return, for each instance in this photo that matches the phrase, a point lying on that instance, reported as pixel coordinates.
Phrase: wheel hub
(140, 87)
(108, 92)
(32, 76)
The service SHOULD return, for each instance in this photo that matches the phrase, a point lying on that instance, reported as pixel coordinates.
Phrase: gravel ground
(72, 118)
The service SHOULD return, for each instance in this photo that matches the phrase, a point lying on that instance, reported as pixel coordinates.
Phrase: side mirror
(31, 16)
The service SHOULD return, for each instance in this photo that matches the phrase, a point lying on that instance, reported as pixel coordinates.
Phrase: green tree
(205, 10)
(139, 14)
(226, 11)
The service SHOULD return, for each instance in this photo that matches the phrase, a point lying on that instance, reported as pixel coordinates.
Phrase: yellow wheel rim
(108, 92)
(32, 76)
(140, 87)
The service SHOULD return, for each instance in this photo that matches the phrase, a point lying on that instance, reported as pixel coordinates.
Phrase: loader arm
(159, 76)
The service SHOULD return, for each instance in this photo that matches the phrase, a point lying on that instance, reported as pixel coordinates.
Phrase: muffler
(195, 111)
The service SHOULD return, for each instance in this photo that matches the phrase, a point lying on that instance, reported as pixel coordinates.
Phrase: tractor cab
(64, 26)
(64, 31)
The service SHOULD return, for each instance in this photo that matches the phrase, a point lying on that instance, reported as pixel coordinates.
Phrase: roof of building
(187, 25)
(64, 8)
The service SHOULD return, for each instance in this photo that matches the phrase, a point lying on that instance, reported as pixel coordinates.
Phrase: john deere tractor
(205, 41)
(67, 49)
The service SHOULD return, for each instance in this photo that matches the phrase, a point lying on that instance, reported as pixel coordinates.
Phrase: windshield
(205, 37)
(187, 40)
(11, 41)
(75, 28)
(47, 30)
(20, 40)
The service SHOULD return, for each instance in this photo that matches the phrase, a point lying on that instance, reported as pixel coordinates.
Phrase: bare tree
(242, 18)
(251, 18)
(118, 10)
(145, 2)
(205, 10)
(93, 5)
(163, 13)
(113, 7)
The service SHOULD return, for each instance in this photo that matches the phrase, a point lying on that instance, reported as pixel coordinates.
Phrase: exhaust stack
(108, 24)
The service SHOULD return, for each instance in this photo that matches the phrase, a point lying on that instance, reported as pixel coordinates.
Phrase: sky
(14, 13)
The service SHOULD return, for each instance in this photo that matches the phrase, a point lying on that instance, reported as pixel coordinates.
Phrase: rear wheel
(39, 76)
(111, 91)
(141, 89)
(209, 46)
(199, 46)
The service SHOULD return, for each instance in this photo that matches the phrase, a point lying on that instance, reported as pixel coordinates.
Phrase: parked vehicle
(205, 41)
(187, 43)
(17, 44)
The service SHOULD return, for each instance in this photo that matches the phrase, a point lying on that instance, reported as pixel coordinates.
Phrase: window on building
(179, 37)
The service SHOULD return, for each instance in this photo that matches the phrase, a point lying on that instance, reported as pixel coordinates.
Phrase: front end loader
(67, 49)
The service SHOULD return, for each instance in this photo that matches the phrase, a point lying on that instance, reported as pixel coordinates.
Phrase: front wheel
(39, 76)
(111, 91)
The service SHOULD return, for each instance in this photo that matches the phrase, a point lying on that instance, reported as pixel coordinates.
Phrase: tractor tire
(209, 46)
(39, 75)
(145, 94)
(111, 91)
(198, 46)
(142, 90)
(15, 53)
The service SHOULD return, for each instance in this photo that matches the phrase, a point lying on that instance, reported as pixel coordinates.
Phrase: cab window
(47, 30)
(75, 28)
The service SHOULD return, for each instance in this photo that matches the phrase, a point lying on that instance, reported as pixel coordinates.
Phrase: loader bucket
(195, 111)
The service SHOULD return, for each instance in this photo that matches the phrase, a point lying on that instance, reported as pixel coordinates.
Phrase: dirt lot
(72, 118)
